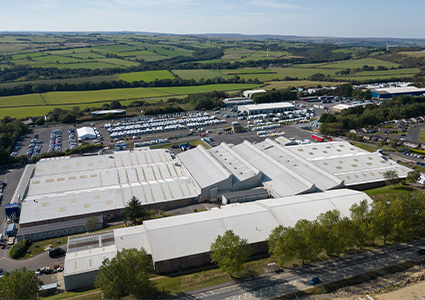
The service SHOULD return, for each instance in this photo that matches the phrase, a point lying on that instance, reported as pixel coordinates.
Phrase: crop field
(246, 71)
(64, 80)
(236, 53)
(299, 83)
(413, 53)
(146, 76)
(259, 55)
(359, 63)
(280, 73)
(198, 74)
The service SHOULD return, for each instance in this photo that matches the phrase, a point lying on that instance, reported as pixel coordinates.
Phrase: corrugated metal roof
(278, 178)
(87, 260)
(185, 235)
(203, 167)
(234, 163)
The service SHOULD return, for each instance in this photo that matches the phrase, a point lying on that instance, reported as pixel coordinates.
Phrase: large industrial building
(59, 194)
(66, 189)
(386, 93)
(182, 242)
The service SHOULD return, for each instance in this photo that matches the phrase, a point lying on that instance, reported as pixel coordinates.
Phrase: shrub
(20, 248)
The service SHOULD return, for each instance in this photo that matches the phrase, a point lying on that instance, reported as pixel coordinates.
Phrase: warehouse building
(248, 94)
(86, 133)
(100, 113)
(266, 108)
(68, 190)
(183, 242)
(237, 101)
(386, 93)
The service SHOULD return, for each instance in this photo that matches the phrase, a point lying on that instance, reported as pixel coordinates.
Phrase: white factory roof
(84, 185)
(86, 132)
(203, 167)
(341, 106)
(322, 179)
(265, 106)
(87, 260)
(396, 90)
(234, 163)
(276, 176)
(191, 234)
(347, 162)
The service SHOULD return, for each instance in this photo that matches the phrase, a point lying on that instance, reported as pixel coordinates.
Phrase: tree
(361, 218)
(20, 284)
(134, 210)
(383, 221)
(331, 233)
(126, 274)
(280, 244)
(230, 252)
(413, 176)
(390, 177)
(91, 223)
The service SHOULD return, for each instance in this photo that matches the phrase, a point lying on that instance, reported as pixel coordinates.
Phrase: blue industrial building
(387, 93)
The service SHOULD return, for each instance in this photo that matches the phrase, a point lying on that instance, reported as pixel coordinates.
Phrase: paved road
(274, 285)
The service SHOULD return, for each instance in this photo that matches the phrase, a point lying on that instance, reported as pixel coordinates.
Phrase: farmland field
(414, 53)
(146, 76)
(67, 100)
(183, 90)
(198, 74)
(21, 100)
(97, 96)
(299, 83)
(359, 63)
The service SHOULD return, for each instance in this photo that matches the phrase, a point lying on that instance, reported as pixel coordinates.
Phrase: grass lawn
(422, 135)
(367, 147)
(146, 76)
(390, 189)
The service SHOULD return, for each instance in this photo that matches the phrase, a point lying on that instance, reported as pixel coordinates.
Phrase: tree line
(10, 132)
(371, 115)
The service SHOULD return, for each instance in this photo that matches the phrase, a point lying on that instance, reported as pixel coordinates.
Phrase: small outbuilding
(86, 133)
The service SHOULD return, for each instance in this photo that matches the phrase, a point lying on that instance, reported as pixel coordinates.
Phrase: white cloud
(272, 4)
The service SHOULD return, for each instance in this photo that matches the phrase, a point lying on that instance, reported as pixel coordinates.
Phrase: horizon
(304, 18)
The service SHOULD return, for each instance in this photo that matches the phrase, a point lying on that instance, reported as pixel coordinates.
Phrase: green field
(21, 100)
(198, 74)
(146, 76)
(184, 90)
(33, 105)
(78, 97)
(299, 83)
(359, 63)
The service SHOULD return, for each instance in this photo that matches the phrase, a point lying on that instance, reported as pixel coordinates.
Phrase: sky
(332, 18)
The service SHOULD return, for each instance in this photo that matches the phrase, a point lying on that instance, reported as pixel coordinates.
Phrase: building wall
(56, 233)
(198, 260)
(249, 183)
(224, 185)
(80, 280)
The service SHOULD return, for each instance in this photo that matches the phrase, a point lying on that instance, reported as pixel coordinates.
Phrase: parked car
(314, 280)
(55, 252)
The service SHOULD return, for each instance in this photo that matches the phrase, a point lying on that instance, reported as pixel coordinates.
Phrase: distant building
(237, 101)
(99, 113)
(386, 93)
(248, 94)
(265, 108)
